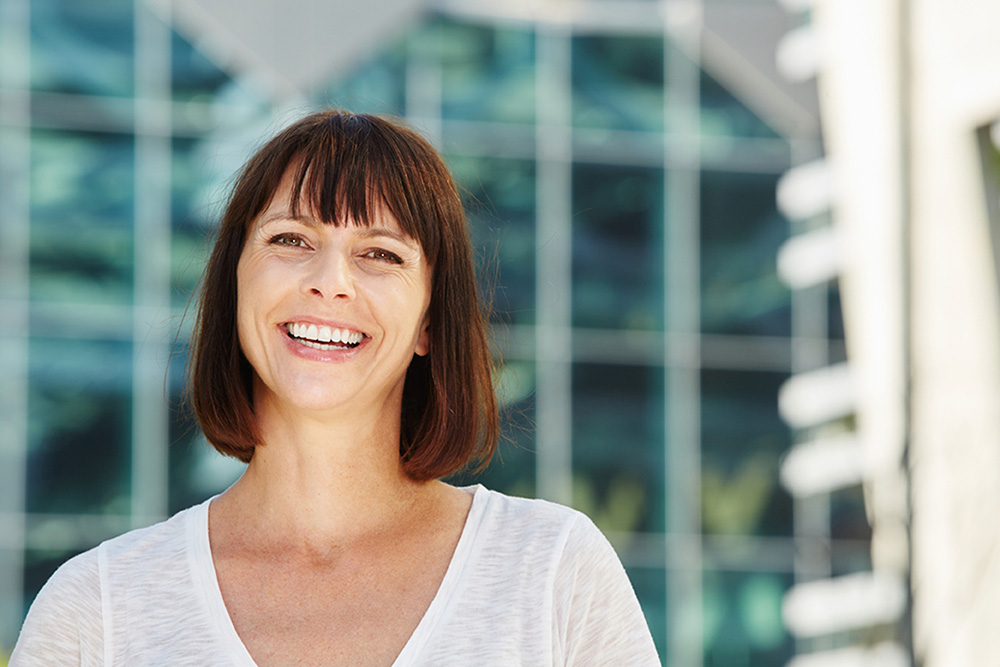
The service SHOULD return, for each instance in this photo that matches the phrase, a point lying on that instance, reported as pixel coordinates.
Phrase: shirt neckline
(203, 570)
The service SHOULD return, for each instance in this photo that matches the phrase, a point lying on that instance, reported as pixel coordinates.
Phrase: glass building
(619, 162)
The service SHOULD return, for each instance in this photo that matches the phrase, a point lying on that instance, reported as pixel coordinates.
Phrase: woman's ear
(423, 339)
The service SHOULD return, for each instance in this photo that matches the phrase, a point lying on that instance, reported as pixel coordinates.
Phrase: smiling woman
(341, 351)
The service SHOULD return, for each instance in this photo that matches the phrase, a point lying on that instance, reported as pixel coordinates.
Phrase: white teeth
(313, 335)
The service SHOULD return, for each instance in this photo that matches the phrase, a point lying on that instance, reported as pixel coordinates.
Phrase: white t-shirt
(530, 583)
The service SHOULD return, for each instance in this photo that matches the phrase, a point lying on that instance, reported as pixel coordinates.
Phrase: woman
(340, 351)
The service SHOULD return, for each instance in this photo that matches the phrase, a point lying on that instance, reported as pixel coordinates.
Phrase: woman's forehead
(295, 199)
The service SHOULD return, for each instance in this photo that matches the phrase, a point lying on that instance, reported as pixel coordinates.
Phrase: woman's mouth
(323, 337)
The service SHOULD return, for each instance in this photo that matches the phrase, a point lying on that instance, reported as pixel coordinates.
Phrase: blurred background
(675, 231)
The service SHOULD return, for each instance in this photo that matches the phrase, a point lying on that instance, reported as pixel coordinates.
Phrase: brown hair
(347, 165)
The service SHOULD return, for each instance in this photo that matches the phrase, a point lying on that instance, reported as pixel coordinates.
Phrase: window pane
(741, 232)
(192, 217)
(512, 470)
(618, 82)
(488, 73)
(743, 440)
(82, 194)
(79, 422)
(194, 76)
(848, 519)
(722, 115)
(742, 619)
(376, 86)
(499, 197)
(82, 47)
(618, 463)
(835, 313)
(197, 470)
(617, 247)
(650, 584)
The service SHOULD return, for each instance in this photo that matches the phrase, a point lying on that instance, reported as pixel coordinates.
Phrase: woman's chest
(354, 612)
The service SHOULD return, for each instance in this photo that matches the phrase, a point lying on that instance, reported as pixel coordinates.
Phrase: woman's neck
(320, 483)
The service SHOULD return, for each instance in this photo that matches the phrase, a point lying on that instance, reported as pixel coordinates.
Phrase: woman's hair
(347, 166)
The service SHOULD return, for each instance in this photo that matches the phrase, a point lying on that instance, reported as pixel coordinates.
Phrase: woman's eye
(291, 240)
(384, 256)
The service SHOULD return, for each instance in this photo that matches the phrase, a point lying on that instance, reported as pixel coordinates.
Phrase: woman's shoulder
(165, 537)
(516, 521)
(66, 621)
(531, 510)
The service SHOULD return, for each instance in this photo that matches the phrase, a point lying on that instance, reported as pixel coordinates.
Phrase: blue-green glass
(192, 217)
(499, 197)
(835, 313)
(512, 469)
(851, 557)
(487, 73)
(848, 518)
(743, 440)
(193, 75)
(723, 115)
(617, 247)
(83, 47)
(79, 424)
(82, 200)
(377, 85)
(741, 232)
(742, 619)
(197, 470)
(618, 434)
(618, 82)
(650, 584)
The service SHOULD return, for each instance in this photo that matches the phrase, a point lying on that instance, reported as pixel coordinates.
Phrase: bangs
(352, 171)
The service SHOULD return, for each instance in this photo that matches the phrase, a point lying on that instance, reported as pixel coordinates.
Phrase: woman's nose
(330, 275)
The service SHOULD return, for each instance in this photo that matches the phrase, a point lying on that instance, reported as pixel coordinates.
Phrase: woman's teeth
(324, 338)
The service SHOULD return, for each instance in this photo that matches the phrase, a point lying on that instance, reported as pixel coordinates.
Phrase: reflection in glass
(488, 73)
(197, 470)
(618, 82)
(192, 218)
(722, 115)
(741, 232)
(618, 446)
(194, 76)
(375, 86)
(742, 619)
(82, 190)
(617, 247)
(848, 519)
(79, 422)
(83, 47)
(743, 439)
(499, 197)
(512, 470)
(835, 313)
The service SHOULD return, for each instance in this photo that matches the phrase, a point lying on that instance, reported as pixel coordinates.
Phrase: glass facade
(622, 206)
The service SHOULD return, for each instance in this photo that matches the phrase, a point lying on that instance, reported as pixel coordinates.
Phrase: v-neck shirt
(529, 583)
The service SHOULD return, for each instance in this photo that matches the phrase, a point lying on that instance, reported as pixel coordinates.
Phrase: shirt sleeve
(64, 624)
(597, 616)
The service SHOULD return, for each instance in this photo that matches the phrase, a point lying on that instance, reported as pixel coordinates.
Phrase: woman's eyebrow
(285, 215)
(373, 232)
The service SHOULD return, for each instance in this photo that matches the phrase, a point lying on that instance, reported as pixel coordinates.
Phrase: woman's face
(330, 317)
